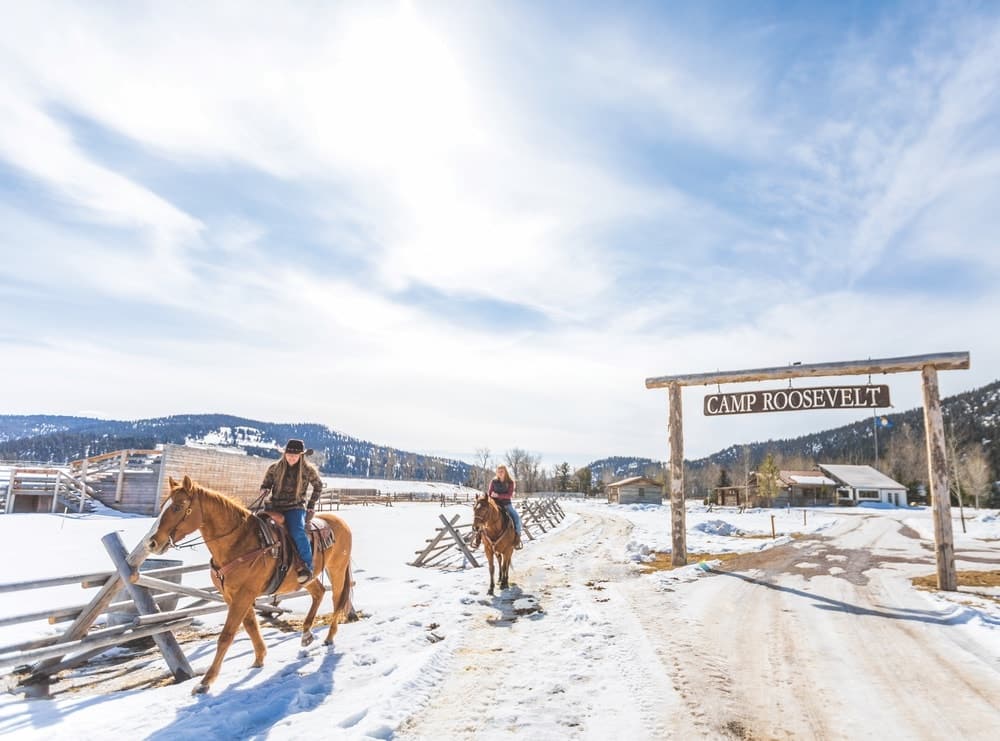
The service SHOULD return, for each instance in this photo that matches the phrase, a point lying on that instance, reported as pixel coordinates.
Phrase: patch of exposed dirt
(807, 556)
(663, 562)
(965, 579)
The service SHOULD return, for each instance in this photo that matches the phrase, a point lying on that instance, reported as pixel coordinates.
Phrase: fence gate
(937, 457)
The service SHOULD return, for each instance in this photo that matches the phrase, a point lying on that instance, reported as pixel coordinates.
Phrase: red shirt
(501, 496)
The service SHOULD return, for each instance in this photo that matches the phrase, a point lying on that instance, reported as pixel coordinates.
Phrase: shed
(856, 484)
(635, 490)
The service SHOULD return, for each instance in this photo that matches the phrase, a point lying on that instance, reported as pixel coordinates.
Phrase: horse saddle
(277, 542)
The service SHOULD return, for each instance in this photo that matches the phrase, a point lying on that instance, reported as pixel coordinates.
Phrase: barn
(635, 490)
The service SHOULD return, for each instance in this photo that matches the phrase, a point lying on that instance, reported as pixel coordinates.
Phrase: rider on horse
(502, 491)
(287, 482)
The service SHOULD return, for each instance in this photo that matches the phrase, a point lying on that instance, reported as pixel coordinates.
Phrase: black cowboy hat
(295, 446)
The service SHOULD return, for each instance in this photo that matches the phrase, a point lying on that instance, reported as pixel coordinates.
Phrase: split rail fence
(537, 516)
(131, 603)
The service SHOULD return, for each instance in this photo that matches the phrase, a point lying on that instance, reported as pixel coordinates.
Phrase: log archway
(937, 457)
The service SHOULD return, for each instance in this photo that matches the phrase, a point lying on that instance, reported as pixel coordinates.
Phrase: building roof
(635, 480)
(810, 478)
(861, 477)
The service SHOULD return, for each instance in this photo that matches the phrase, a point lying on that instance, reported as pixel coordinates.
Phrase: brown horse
(498, 535)
(231, 535)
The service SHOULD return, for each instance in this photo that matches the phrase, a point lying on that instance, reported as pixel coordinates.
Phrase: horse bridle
(175, 507)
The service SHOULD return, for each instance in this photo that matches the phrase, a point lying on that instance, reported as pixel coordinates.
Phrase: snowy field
(393, 674)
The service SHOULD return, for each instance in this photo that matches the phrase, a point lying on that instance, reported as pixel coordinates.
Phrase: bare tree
(906, 456)
(517, 463)
(974, 470)
(484, 465)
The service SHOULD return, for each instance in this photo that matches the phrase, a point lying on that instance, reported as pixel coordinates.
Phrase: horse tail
(344, 609)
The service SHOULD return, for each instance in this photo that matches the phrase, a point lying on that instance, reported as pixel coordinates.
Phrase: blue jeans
(509, 506)
(295, 521)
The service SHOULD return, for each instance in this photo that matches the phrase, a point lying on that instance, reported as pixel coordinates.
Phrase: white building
(856, 484)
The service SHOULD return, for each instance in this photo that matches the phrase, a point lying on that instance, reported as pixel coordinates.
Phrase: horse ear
(173, 484)
(187, 482)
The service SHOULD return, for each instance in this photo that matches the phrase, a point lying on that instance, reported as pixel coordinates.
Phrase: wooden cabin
(635, 490)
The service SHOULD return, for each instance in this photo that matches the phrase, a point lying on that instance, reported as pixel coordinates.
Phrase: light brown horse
(498, 536)
(231, 534)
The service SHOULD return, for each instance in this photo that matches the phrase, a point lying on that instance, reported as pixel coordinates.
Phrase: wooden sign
(797, 400)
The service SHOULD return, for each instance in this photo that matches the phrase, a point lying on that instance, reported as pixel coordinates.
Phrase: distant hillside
(972, 419)
(60, 439)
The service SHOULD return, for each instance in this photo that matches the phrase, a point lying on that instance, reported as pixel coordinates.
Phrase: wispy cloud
(455, 227)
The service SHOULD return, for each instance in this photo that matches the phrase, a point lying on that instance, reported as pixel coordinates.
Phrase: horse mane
(229, 505)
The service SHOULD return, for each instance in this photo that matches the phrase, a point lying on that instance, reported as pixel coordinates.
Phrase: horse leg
(252, 627)
(317, 591)
(489, 557)
(504, 571)
(241, 602)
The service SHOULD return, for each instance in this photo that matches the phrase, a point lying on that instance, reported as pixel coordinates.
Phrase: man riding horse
(287, 481)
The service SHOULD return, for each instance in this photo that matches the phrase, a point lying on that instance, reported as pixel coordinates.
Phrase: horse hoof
(328, 642)
(199, 689)
(257, 665)
(307, 638)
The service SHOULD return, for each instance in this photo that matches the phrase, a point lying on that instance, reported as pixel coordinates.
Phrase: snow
(412, 667)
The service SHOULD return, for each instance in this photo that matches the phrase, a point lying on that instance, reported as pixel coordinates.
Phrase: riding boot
(304, 574)
(517, 541)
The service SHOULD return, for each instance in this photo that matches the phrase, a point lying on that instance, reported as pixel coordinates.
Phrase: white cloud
(422, 164)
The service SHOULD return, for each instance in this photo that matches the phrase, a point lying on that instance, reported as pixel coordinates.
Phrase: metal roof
(861, 477)
(635, 480)
(814, 480)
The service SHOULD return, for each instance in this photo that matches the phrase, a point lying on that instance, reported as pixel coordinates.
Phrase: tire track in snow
(584, 630)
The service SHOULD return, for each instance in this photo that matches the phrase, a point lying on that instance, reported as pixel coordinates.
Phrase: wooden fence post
(144, 604)
(78, 629)
(458, 540)
(121, 476)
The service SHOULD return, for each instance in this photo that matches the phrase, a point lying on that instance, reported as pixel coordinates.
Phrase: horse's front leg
(241, 602)
(316, 590)
(489, 557)
(252, 627)
(504, 571)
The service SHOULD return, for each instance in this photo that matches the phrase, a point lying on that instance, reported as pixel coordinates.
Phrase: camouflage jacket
(288, 485)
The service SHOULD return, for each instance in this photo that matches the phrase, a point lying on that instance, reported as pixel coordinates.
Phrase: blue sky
(447, 226)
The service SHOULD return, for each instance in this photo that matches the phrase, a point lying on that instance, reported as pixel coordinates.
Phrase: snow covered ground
(817, 633)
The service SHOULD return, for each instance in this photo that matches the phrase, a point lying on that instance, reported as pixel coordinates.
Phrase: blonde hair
(506, 473)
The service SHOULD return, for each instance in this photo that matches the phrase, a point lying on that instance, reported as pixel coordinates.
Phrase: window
(642, 492)
(869, 494)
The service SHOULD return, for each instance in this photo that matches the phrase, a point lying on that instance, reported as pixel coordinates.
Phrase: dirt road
(823, 638)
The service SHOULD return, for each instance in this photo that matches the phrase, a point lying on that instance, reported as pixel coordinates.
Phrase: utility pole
(875, 430)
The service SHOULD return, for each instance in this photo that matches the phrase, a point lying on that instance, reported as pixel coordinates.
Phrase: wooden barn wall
(238, 476)
(630, 495)
(138, 491)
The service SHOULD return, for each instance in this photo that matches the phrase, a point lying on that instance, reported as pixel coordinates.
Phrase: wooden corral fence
(332, 499)
(536, 514)
(134, 603)
(45, 489)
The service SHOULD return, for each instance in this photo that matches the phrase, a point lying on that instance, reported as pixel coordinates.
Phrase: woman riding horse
(231, 533)
(498, 536)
